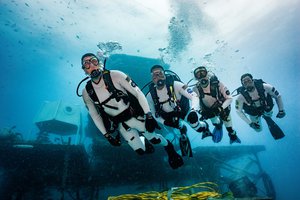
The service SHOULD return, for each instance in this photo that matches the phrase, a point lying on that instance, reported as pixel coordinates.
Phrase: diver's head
(91, 66)
(200, 74)
(247, 82)
(158, 76)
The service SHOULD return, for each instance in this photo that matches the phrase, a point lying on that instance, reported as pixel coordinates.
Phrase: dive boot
(206, 132)
(175, 160)
(234, 138)
(149, 147)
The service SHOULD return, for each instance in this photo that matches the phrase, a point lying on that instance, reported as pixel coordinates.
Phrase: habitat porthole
(68, 110)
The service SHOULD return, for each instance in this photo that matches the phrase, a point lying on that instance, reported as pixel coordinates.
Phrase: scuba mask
(200, 72)
(203, 82)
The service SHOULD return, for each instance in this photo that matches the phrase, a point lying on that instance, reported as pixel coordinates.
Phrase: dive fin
(149, 147)
(217, 134)
(185, 146)
(275, 130)
(175, 160)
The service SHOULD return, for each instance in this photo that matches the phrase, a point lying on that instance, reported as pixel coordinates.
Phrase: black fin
(275, 130)
(185, 146)
(175, 160)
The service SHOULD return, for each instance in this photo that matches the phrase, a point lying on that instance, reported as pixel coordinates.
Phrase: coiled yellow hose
(175, 193)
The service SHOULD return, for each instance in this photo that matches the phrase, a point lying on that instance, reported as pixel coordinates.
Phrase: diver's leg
(231, 132)
(175, 160)
(133, 139)
(257, 120)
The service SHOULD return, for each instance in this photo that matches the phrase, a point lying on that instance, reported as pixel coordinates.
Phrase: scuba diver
(256, 99)
(215, 100)
(169, 99)
(117, 105)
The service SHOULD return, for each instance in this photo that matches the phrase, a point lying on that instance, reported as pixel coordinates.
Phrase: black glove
(217, 108)
(223, 114)
(172, 123)
(254, 125)
(280, 114)
(151, 123)
(192, 117)
(113, 141)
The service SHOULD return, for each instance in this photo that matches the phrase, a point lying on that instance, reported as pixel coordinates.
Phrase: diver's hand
(280, 114)
(254, 125)
(150, 123)
(217, 108)
(192, 117)
(223, 115)
(219, 111)
(113, 141)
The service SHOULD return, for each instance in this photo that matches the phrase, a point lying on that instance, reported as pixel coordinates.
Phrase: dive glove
(113, 141)
(216, 108)
(280, 114)
(150, 123)
(223, 115)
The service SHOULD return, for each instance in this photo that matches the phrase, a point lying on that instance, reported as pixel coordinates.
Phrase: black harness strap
(115, 93)
(155, 98)
(214, 91)
(105, 117)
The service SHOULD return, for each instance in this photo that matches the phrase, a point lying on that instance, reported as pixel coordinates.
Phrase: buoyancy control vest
(182, 106)
(134, 110)
(266, 102)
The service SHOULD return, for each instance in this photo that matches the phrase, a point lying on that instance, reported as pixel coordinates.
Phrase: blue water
(42, 42)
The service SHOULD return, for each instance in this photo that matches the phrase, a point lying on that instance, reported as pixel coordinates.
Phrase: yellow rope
(177, 193)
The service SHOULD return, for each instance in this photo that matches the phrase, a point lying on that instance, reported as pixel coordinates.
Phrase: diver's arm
(188, 93)
(239, 109)
(126, 82)
(93, 112)
(198, 96)
(226, 94)
(275, 94)
(279, 103)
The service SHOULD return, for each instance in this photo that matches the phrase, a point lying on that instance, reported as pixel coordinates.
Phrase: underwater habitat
(52, 146)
